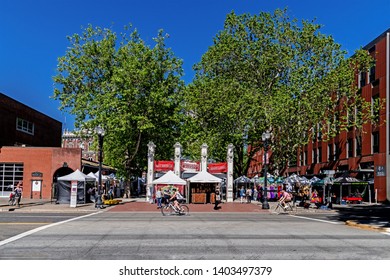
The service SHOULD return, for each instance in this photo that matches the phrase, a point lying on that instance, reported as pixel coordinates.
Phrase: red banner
(220, 167)
(187, 165)
(164, 165)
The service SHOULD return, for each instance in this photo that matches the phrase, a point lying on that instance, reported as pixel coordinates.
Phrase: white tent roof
(93, 175)
(76, 176)
(104, 177)
(170, 178)
(204, 177)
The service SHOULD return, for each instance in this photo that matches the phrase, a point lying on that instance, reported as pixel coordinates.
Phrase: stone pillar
(229, 181)
(150, 175)
(203, 162)
(177, 147)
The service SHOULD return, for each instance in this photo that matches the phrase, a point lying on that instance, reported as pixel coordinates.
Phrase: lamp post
(265, 137)
(100, 133)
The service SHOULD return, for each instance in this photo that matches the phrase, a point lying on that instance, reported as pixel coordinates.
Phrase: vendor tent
(169, 178)
(348, 182)
(204, 177)
(64, 186)
(92, 175)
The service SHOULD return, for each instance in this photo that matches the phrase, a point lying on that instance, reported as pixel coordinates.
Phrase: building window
(375, 142)
(337, 151)
(363, 77)
(330, 152)
(25, 126)
(372, 74)
(315, 156)
(358, 146)
(10, 175)
(305, 158)
(319, 154)
(350, 148)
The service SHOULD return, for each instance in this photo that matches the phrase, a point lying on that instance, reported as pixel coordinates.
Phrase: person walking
(217, 200)
(248, 195)
(18, 192)
(242, 194)
(158, 198)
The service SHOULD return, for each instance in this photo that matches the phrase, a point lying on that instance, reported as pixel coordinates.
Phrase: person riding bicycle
(284, 197)
(176, 198)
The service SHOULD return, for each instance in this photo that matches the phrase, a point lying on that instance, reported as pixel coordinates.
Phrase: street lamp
(265, 137)
(100, 132)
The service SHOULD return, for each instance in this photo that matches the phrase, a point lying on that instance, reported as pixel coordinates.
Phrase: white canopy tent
(91, 174)
(63, 190)
(169, 178)
(76, 176)
(201, 187)
(204, 177)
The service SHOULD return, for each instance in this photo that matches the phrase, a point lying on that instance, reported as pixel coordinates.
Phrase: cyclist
(284, 197)
(175, 197)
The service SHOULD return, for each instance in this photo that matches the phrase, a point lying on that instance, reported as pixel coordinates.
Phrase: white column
(177, 147)
(203, 163)
(150, 175)
(229, 181)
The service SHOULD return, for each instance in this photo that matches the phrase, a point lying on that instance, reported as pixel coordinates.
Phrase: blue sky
(33, 33)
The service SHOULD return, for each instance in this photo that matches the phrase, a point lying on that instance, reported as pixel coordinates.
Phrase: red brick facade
(42, 165)
(343, 153)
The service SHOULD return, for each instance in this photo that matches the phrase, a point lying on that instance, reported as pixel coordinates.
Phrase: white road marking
(27, 233)
(318, 220)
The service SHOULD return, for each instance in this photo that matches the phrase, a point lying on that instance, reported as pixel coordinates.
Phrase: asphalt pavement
(364, 216)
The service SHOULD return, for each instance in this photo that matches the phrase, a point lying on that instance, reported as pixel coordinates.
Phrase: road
(214, 236)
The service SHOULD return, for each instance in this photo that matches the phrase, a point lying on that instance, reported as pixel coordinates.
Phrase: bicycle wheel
(292, 208)
(278, 209)
(185, 210)
(166, 210)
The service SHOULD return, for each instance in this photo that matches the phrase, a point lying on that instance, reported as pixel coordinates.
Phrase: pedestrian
(255, 194)
(242, 194)
(158, 198)
(18, 192)
(217, 200)
(248, 195)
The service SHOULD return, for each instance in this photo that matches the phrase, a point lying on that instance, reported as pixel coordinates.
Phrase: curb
(353, 223)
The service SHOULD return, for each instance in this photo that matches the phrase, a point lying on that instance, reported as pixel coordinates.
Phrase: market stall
(202, 187)
(78, 179)
(169, 182)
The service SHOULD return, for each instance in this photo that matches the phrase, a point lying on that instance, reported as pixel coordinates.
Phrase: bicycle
(290, 208)
(14, 199)
(170, 209)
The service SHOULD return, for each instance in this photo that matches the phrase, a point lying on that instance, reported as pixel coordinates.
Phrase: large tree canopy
(130, 89)
(267, 72)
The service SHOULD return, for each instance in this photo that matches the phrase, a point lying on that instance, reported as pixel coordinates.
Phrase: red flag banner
(219, 167)
(164, 165)
(187, 165)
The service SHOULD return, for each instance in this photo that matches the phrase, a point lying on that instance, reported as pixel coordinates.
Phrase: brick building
(37, 167)
(22, 125)
(366, 155)
(30, 150)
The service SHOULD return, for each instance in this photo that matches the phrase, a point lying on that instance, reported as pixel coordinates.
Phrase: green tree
(130, 89)
(268, 72)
